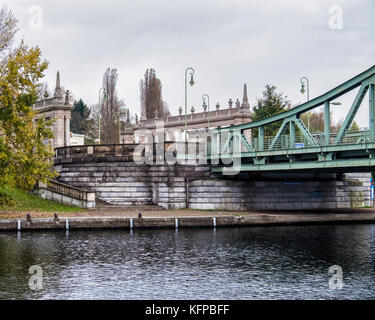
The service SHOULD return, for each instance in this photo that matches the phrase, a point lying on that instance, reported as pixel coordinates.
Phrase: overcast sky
(227, 42)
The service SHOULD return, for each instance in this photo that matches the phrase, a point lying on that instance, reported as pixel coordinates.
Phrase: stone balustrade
(67, 194)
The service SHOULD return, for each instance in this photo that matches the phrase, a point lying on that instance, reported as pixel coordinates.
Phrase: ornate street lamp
(303, 80)
(99, 111)
(206, 106)
(191, 84)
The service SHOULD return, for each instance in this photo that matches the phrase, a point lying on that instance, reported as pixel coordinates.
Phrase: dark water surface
(230, 263)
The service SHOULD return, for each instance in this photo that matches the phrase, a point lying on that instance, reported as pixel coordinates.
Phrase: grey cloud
(227, 42)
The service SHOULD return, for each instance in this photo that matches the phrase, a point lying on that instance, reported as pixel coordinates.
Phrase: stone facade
(351, 191)
(235, 114)
(126, 183)
(59, 108)
(110, 172)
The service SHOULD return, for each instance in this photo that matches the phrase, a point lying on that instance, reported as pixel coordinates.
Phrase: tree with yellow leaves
(24, 156)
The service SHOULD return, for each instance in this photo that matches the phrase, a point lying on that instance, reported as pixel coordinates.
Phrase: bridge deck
(230, 148)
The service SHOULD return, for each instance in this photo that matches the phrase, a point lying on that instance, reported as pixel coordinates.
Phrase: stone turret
(245, 101)
(58, 108)
(58, 91)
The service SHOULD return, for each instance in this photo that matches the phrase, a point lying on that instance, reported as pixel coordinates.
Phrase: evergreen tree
(270, 104)
(80, 117)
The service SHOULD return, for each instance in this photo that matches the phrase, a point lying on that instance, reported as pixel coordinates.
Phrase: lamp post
(204, 105)
(99, 111)
(303, 80)
(191, 84)
(327, 120)
(119, 125)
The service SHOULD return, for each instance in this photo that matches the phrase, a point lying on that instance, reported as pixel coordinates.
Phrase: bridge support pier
(312, 192)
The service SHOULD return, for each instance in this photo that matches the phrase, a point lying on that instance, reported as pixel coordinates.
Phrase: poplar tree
(111, 109)
(150, 95)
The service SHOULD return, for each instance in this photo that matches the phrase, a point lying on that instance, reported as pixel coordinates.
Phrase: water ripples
(229, 263)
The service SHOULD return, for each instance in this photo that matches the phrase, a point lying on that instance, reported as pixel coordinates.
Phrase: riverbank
(179, 219)
(22, 201)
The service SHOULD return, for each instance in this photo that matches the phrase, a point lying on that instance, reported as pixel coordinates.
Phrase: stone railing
(64, 193)
(95, 153)
(102, 153)
(213, 115)
(67, 190)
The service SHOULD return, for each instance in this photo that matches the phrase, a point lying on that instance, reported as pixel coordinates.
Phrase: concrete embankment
(277, 219)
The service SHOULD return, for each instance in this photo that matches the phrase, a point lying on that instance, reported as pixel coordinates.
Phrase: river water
(227, 263)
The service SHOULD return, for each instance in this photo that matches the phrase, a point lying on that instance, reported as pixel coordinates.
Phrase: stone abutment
(111, 173)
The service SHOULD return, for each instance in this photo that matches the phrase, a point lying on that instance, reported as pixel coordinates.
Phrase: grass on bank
(26, 202)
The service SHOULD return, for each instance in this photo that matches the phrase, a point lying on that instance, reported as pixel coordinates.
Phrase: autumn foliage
(25, 157)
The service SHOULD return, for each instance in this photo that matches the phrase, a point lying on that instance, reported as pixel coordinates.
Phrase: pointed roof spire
(245, 101)
(58, 91)
(58, 79)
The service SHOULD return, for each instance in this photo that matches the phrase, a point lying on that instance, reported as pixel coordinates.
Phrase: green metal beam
(329, 96)
(305, 132)
(278, 134)
(327, 123)
(306, 165)
(349, 150)
(246, 143)
(261, 138)
(307, 151)
(352, 112)
(227, 143)
(372, 111)
(215, 148)
(292, 134)
(237, 143)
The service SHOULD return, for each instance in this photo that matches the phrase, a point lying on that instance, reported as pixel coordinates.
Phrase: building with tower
(214, 116)
(59, 108)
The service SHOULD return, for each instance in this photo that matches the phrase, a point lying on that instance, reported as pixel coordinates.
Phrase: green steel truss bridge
(291, 149)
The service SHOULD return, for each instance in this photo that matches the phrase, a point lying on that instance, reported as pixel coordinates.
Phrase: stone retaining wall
(351, 191)
(193, 186)
(127, 183)
(89, 223)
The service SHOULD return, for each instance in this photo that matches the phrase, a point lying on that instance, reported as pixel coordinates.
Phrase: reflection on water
(230, 263)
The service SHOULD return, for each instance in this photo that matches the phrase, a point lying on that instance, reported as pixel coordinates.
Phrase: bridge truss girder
(333, 152)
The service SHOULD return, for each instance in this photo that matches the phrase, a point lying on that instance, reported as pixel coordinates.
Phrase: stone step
(124, 206)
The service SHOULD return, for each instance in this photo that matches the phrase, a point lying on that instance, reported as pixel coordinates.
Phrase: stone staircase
(105, 206)
(127, 184)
